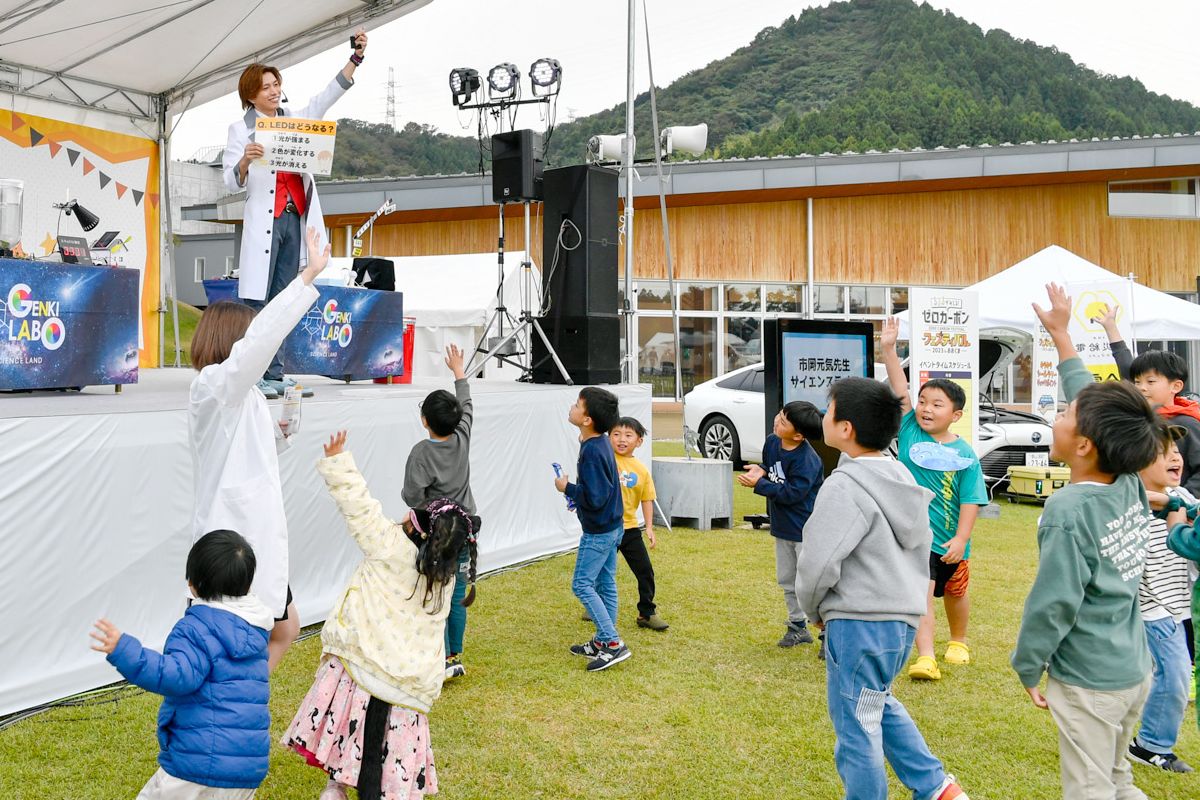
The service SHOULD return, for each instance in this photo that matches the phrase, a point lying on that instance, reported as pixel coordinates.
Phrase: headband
(443, 505)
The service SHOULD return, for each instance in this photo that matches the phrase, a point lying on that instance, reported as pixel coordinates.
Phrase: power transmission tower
(391, 98)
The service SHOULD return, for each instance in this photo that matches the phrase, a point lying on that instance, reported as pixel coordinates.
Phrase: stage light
(87, 220)
(545, 75)
(605, 148)
(692, 139)
(464, 82)
(502, 81)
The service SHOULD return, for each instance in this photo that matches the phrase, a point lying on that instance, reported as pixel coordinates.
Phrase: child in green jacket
(1082, 624)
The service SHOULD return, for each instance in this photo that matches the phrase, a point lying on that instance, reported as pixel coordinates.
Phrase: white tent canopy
(1005, 298)
(458, 315)
(120, 62)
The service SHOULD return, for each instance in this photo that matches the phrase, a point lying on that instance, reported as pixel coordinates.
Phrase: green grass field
(189, 317)
(709, 709)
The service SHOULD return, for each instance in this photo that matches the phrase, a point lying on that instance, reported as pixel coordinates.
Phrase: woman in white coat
(279, 205)
(235, 442)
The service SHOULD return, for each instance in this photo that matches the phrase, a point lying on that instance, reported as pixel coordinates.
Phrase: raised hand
(1058, 317)
(317, 258)
(106, 636)
(889, 333)
(360, 40)
(454, 360)
(337, 444)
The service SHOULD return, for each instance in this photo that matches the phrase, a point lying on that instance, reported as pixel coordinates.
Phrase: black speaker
(516, 166)
(589, 347)
(579, 241)
(375, 273)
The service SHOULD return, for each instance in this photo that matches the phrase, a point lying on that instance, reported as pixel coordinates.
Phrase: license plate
(1037, 459)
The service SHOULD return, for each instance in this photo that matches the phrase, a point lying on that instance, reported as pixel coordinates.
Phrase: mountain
(853, 76)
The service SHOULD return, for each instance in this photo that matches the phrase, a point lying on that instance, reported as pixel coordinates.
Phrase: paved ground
(668, 422)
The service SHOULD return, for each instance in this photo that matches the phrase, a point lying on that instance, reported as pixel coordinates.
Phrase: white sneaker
(333, 791)
(950, 790)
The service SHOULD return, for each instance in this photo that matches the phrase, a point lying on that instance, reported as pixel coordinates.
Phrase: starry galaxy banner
(349, 333)
(65, 326)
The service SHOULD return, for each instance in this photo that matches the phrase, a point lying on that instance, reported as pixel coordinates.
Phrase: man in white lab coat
(279, 205)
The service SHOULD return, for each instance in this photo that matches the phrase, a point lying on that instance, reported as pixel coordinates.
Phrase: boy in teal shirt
(944, 463)
(1082, 623)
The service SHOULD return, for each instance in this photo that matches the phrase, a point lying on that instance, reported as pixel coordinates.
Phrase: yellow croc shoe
(925, 668)
(957, 653)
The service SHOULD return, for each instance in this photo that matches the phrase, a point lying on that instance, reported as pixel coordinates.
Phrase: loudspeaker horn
(691, 139)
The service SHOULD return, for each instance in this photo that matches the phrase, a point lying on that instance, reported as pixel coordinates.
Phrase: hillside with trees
(853, 76)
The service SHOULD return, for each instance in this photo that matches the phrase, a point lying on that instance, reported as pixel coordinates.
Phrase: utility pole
(391, 98)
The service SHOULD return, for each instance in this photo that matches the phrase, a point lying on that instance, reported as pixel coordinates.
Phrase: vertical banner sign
(1045, 374)
(944, 325)
(296, 145)
(1088, 304)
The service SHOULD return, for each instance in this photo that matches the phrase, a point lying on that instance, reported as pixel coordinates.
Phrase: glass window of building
(867, 299)
(899, 299)
(743, 342)
(653, 296)
(743, 297)
(785, 299)
(697, 296)
(830, 300)
(1166, 197)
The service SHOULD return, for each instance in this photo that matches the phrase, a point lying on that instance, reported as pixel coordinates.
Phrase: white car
(727, 414)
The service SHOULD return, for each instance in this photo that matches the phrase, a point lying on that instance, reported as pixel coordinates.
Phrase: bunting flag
(121, 190)
(73, 155)
(88, 166)
(104, 179)
(54, 148)
(18, 123)
(34, 137)
(153, 198)
(137, 197)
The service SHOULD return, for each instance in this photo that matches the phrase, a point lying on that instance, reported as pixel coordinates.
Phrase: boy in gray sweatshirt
(864, 572)
(440, 466)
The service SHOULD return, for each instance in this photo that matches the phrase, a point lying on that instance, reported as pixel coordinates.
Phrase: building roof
(783, 177)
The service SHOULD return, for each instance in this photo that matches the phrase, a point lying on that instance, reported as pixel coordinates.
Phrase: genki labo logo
(33, 320)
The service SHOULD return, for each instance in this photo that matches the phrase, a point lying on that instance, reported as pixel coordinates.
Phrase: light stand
(493, 345)
(529, 322)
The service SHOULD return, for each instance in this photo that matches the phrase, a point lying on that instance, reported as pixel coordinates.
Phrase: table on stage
(349, 333)
(67, 325)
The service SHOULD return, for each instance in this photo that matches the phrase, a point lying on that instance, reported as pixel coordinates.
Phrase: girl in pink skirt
(364, 720)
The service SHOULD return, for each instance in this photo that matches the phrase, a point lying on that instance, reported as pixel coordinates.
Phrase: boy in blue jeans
(597, 496)
(863, 576)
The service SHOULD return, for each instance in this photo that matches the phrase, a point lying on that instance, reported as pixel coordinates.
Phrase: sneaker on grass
(796, 634)
(454, 667)
(950, 790)
(654, 622)
(609, 654)
(1168, 762)
(587, 649)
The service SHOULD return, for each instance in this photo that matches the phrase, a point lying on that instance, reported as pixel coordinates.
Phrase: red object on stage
(410, 340)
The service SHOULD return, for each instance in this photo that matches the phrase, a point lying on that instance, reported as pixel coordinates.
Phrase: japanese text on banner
(296, 145)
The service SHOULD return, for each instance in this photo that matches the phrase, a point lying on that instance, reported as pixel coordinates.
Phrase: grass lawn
(709, 709)
(189, 317)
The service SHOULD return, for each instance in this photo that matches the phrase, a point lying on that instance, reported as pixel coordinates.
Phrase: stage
(98, 488)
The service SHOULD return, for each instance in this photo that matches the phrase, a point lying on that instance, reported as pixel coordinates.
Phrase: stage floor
(98, 490)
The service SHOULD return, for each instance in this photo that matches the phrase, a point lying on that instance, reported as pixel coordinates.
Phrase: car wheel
(719, 440)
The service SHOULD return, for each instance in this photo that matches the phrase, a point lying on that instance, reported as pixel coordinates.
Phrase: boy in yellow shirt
(637, 489)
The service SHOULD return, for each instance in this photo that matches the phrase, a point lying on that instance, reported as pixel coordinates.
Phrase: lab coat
(235, 445)
(258, 220)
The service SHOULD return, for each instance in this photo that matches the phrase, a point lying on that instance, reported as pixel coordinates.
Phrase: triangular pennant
(18, 123)
(88, 166)
(34, 137)
(104, 179)
(137, 197)
(121, 190)
(73, 155)
(54, 148)
(153, 198)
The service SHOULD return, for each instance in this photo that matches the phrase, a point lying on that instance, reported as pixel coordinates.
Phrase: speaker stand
(527, 325)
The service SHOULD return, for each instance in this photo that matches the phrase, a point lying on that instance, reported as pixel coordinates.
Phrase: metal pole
(630, 144)
(812, 285)
(166, 266)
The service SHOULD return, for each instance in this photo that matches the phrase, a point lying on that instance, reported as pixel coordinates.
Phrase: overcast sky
(1152, 40)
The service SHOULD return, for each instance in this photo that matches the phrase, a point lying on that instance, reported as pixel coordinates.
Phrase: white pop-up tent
(1005, 298)
(129, 66)
(452, 299)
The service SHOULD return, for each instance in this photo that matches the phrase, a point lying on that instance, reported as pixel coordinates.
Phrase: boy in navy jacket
(213, 725)
(789, 477)
(597, 496)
